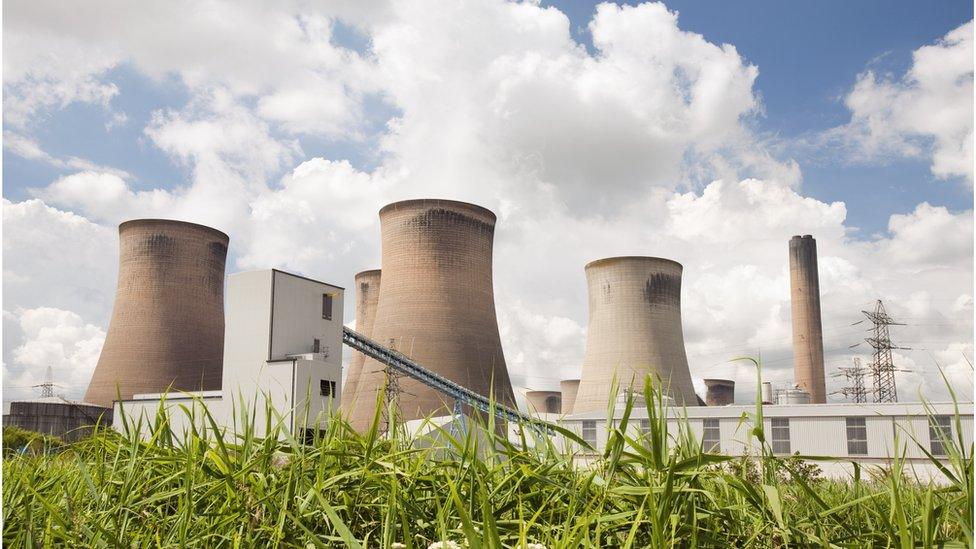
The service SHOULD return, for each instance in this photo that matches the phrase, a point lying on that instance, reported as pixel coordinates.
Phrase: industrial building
(868, 434)
(436, 306)
(167, 327)
(66, 419)
(808, 355)
(283, 350)
(367, 297)
(634, 331)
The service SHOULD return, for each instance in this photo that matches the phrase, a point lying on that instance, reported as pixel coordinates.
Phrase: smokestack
(808, 361)
(167, 327)
(436, 305)
(569, 388)
(367, 297)
(719, 392)
(634, 331)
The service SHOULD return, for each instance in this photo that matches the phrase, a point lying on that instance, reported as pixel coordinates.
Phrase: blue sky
(289, 126)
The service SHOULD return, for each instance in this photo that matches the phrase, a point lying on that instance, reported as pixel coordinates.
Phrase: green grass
(212, 489)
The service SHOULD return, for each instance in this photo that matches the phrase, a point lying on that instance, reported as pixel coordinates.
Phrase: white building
(282, 346)
(869, 434)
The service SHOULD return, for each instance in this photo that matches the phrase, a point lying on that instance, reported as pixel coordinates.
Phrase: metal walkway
(461, 395)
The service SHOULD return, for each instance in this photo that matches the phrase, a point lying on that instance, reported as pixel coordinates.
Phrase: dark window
(645, 426)
(316, 346)
(857, 436)
(327, 306)
(327, 388)
(711, 435)
(553, 405)
(780, 435)
(589, 432)
(308, 435)
(940, 429)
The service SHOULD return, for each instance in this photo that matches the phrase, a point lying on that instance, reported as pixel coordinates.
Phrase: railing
(401, 363)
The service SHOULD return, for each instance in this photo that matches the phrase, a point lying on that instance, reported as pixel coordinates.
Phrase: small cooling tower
(719, 392)
(543, 402)
(634, 331)
(436, 305)
(167, 327)
(367, 297)
(569, 388)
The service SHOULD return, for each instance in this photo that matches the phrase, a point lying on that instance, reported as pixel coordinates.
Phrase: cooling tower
(167, 327)
(436, 305)
(719, 392)
(634, 331)
(808, 361)
(569, 388)
(543, 402)
(367, 297)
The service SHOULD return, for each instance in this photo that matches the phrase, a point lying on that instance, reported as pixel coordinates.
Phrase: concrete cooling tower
(167, 327)
(719, 392)
(367, 297)
(569, 388)
(634, 331)
(436, 305)
(808, 359)
(543, 402)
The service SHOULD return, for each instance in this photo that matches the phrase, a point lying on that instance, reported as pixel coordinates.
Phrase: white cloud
(928, 112)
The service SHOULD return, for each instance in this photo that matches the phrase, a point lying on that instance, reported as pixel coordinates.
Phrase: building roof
(792, 410)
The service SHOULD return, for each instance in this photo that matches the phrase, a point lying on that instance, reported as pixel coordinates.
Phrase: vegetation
(22, 441)
(213, 489)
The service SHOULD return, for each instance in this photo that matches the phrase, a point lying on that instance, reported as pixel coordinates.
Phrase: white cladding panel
(297, 317)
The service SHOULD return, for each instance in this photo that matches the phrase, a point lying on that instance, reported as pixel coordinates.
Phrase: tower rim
(132, 223)
(433, 202)
(628, 258)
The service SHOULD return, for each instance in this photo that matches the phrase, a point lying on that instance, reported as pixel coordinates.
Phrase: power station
(436, 306)
(808, 357)
(167, 327)
(634, 331)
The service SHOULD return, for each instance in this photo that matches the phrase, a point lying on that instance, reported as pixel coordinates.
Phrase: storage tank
(436, 305)
(767, 392)
(68, 420)
(808, 360)
(568, 388)
(719, 392)
(367, 297)
(634, 331)
(793, 396)
(543, 402)
(167, 327)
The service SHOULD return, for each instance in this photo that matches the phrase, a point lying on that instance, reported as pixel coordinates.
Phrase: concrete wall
(68, 421)
(808, 361)
(167, 324)
(634, 330)
(436, 305)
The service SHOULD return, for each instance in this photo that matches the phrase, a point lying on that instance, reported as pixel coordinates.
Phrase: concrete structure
(568, 388)
(436, 306)
(634, 330)
(367, 298)
(862, 433)
(68, 420)
(808, 361)
(283, 349)
(543, 402)
(793, 396)
(719, 392)
(167, 327)
(767, 392)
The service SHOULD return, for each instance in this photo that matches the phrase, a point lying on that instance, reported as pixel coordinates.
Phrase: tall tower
(568, 388)
(808, 359)
(167, 327)
(367, 297)
(436, 306)
(634, 330)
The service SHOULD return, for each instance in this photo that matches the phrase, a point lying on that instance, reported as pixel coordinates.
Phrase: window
(645, 426)
(553, 405)
(589, 432)
(327, 388)
(857, 436)
(940, 429)
(316, 346)
(327, 306)
(711, 435)
(780, 427)
(308, 435)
